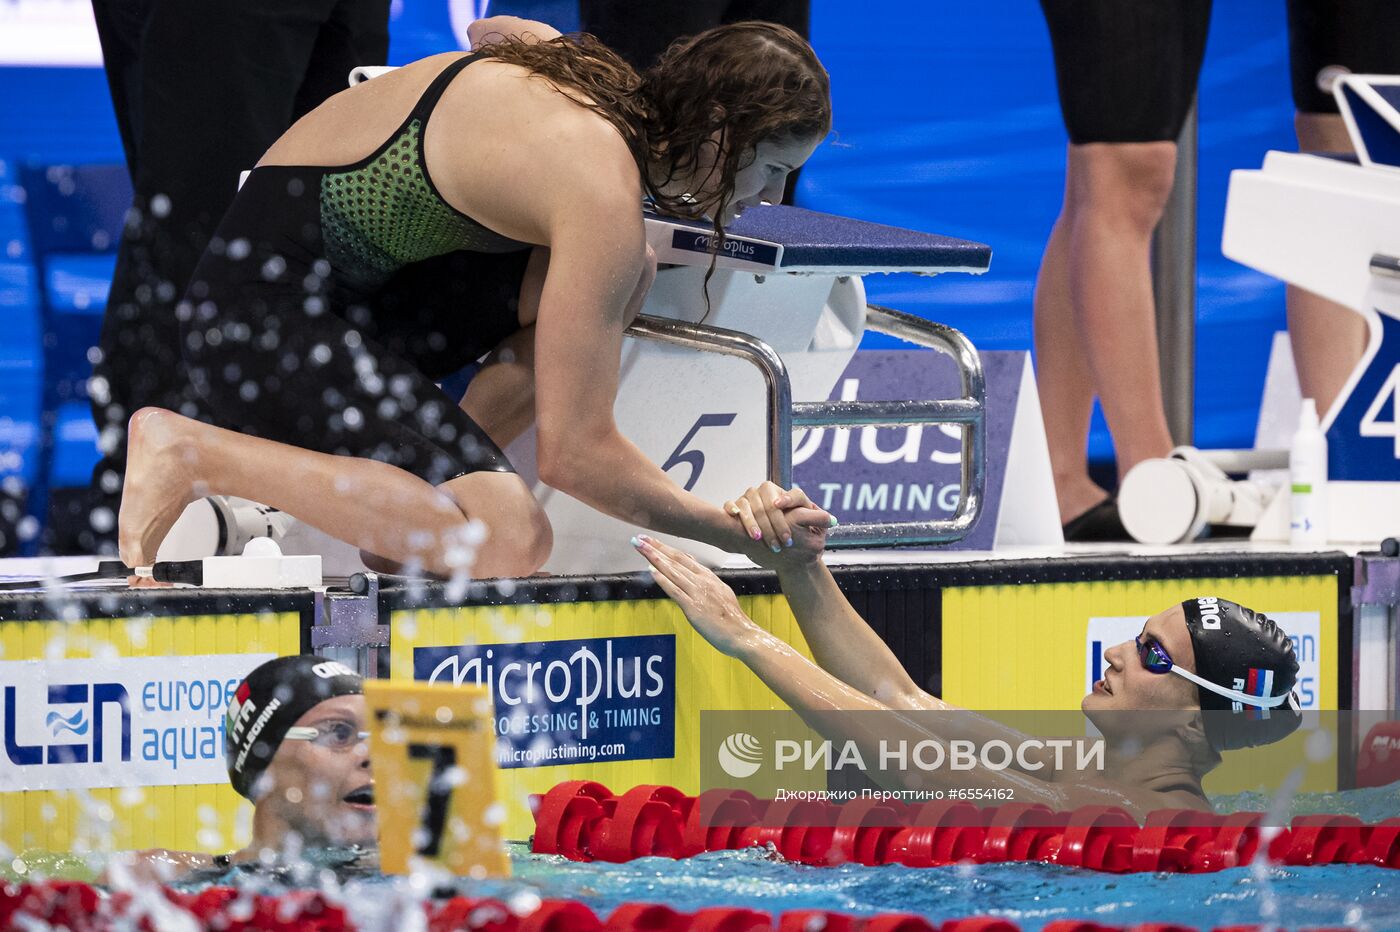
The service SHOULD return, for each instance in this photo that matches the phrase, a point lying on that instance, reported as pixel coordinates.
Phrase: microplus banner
(573, 701)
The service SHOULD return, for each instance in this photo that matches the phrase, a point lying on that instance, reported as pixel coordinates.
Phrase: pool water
(1030, 894)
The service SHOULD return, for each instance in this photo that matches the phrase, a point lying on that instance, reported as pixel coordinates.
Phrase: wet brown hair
(740, 84)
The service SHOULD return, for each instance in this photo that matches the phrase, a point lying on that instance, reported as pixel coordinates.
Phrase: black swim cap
(269, 701)
(1244, 651)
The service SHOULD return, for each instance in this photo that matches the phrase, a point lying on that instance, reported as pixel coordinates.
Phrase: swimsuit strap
(434, 92)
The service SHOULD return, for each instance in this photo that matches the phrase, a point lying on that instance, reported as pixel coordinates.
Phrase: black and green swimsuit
(332, 299)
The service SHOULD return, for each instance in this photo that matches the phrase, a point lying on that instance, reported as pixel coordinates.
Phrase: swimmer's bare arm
(597, 251)
(808, 689)
(495, 28)
(843, 643)
(832, 707)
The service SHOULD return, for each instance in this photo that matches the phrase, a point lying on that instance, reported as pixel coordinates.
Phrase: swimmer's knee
(377, 564)
(517, 548)
(518, 536)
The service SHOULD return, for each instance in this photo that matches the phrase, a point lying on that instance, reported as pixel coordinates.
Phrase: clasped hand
(784, 526)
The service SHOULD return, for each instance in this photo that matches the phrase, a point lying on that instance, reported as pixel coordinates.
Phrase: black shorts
(280, 345)
(1126, 69)
(1362, 36)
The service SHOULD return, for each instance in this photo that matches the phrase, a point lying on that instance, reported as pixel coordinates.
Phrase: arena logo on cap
(330, 669)
(1209, 609)
(129, 721)
(573, 701)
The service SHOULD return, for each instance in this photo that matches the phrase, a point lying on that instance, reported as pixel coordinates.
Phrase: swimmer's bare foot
(161, 479)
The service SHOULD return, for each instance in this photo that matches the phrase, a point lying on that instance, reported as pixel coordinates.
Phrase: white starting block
(1332, 226)
(787, 305)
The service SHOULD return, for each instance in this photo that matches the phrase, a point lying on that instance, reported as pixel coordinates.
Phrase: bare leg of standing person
(1095, 318)
(1328, 339)
(1065, 385)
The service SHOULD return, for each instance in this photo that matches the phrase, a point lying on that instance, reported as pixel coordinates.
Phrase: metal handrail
(969, 411)
(744, 346)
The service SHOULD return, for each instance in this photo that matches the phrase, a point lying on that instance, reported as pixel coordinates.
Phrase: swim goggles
(338, 736)
(1156, 659)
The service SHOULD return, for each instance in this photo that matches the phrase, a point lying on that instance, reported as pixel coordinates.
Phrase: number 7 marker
(433, 754)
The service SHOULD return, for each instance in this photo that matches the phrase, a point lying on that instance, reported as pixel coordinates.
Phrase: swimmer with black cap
(1203, 677)
(1233, 663)
(296, 746)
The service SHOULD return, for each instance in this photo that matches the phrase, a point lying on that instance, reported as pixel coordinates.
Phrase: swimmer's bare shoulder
(528, 159)
(351, 124)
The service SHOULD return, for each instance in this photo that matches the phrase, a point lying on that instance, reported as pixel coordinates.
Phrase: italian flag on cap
(236, 706)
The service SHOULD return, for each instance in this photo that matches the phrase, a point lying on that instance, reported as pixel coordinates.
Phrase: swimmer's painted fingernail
(787, 541)
(833, 522)
(636, 542)
(757, 534)
(776, 549)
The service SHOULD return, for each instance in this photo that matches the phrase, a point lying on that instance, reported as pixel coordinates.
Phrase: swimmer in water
(296, 745)
(463, 208)
(1203, 655)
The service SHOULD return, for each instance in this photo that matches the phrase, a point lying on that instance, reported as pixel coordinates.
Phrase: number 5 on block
(433, 753)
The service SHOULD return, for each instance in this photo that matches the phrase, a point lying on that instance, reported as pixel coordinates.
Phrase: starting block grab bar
(783, 416)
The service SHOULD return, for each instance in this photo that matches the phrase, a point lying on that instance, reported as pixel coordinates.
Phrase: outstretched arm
(842, 643)
(712, 608)
(822, 699)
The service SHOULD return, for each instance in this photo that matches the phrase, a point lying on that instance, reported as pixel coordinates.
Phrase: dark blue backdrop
(947, 121)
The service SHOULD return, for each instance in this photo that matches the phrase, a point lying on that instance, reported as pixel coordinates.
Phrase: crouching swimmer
(1203, 677)
(297, 747)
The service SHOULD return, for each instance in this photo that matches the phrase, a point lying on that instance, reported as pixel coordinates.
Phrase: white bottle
(1307, 468)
